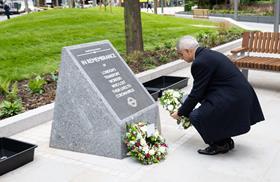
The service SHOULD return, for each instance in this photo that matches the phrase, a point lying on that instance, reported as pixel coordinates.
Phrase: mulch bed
(141, 62)
(31, 100)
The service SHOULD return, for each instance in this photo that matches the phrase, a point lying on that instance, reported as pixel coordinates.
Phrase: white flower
(152, 152)
(176, 94)
(131, 142)
(142, 142)
(170, 91)
(138, 136)
(162, 149)
(170, 107)
(156, 134)
(160, 138)
(146, 149)
(144, 128)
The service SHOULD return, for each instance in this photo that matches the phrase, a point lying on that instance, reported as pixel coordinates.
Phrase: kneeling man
(229, 105)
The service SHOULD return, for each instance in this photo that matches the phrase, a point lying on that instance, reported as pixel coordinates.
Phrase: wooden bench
(258, 42)
(200, 13)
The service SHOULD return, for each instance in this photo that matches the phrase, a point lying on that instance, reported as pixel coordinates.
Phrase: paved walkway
(256, 157)
(259, 26)
(245, 25)
(4, 17)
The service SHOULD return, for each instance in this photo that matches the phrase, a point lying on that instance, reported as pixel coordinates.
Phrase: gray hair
(186, 42)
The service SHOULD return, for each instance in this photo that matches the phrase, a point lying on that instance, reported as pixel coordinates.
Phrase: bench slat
(272, 43)
(278, 66)
(245, 40)
(251, 39)
(276, 48)
(269, 65)
(264, 40)
(235, 51)
(255, 41)
(260, 40)
(267, 42)
(272, 64)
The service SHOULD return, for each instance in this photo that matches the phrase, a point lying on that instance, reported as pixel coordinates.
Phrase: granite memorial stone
(97, 95)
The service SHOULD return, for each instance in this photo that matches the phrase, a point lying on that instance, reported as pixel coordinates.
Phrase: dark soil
(34, 100)
(150, 59)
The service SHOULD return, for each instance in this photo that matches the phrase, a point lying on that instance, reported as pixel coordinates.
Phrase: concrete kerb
(26, 120)
(35, 117)
(218, 19)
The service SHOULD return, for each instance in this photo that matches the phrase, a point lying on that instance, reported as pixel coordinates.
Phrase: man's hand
(175, 115)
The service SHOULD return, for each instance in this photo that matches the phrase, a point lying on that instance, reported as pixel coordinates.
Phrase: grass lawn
(32, 44)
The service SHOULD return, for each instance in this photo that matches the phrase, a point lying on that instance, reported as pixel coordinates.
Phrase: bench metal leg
(245, 72)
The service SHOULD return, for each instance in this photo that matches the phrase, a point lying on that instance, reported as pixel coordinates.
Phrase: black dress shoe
(215, 149)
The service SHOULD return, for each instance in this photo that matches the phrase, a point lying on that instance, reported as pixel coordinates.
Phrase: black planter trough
(166, 82)
(14, 153)
(154, 94)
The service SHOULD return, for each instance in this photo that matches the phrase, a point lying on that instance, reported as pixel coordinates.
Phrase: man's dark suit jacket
(229, 105)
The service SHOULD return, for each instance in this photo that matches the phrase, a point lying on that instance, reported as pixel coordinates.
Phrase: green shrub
(212, 39)
(8, 108)
(163, 59)
(168, 45)
(54, 76)
(157, 48)
(173, 53)
(4, 86)
(150, 66)
(148, 60)
(12, 94)
(202, 38)
(36, 85)
(188, 5)
(9, 91)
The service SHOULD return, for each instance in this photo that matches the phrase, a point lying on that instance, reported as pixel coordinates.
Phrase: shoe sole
(220, 152)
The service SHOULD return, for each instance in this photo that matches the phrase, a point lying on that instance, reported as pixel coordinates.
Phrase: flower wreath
(146, 149)
(171, 101)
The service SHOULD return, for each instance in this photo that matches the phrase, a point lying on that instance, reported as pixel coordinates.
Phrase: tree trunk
(26, 6)
(71, 3)
(155, 6)
(37, 3)
(54, 3)
(133, 26)
(111, 3)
